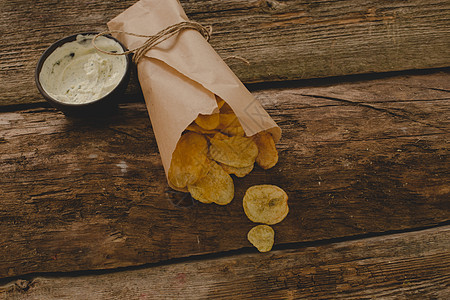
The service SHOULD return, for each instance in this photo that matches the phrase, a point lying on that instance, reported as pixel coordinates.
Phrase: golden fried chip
(189, 160)
(262, 237)
(235, 151)
(229, 124)
(195, 128)
(220, 102)
(265, 204)
(217, 186)
(226, 109)
(208, 122)
(267, 153)
(239, 172)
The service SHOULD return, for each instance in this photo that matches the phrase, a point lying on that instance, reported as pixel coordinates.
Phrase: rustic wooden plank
(413, 265)
(355, 158)
(291, 39)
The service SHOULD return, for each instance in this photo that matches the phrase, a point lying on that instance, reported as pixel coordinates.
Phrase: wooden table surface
(86, 212)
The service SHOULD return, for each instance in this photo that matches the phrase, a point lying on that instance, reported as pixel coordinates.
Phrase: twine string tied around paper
(154, 40)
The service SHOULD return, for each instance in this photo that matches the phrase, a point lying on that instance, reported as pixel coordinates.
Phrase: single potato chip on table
(215, 187)
(265, 204)
(189, 160)
(262, 237)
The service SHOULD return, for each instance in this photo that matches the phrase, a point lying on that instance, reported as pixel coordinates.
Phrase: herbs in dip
(78, 73)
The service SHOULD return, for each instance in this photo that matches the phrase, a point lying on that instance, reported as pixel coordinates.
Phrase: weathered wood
(289, 39)
(413, 265)
(355, 158)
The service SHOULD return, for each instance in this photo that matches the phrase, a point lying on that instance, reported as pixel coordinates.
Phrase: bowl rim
(61, 42)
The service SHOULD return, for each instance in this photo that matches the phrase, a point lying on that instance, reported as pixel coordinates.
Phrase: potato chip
(208, 122)
(217, 186)
(229, 124)
(226, 109)
(265, 204)
(239, 172)
(267, 153)
(195, 128)
(262, 237)
(221, 136)
(220, 102)
(236, 151)
(189, 160)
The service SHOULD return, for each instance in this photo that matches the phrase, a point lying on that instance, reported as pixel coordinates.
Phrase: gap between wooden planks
(283, 40)
(414, 265)
(355, 158)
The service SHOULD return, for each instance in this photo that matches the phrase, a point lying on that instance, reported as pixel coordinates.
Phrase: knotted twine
(154, 40)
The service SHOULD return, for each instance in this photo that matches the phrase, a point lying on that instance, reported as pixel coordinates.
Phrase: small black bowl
(104, 104)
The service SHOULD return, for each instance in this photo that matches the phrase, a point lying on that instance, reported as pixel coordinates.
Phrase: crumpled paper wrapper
(181, 76)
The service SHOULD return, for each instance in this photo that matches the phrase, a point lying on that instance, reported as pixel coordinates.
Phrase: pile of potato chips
(215, 146)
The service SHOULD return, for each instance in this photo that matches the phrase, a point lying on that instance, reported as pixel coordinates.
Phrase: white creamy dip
(78, 73)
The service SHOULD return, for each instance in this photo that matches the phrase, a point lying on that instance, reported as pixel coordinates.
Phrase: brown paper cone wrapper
(181, 76)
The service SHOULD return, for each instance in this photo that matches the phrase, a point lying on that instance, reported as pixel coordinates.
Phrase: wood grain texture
(355, 158)
(413, 265)
(291, 39)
